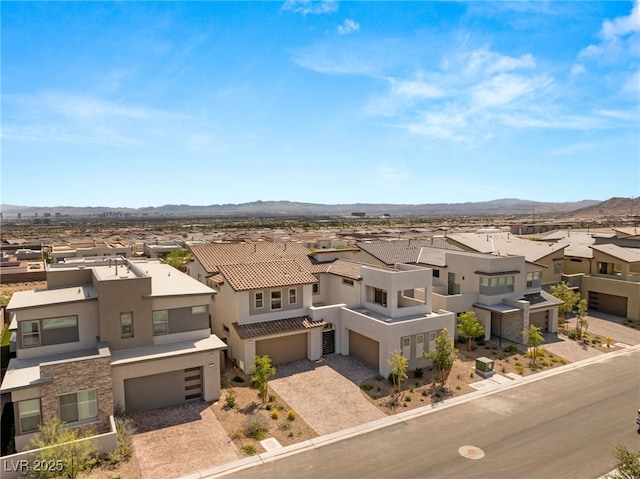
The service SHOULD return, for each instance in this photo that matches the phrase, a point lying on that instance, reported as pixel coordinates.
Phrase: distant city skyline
(138, 104)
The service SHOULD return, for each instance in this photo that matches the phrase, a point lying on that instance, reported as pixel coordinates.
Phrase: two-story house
(109, 333)
(504, 291)
(280, 300)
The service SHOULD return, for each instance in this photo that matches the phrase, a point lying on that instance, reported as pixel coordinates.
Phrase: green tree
(444, 355)
(534, 339)
(581, 322)
(627, 463)
(569, 298)
(72, 452)
(470, 327)
(262, 371)
(399, 365)
(178, 259)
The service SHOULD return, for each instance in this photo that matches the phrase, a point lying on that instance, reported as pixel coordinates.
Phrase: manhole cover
(471, 452)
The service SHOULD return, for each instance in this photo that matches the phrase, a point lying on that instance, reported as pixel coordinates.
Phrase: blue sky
(144, 104)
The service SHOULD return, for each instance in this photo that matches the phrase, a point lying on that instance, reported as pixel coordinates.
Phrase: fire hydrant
(608, 342)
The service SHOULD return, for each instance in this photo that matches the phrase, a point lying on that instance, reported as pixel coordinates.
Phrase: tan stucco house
(281, 300)
(109, 333)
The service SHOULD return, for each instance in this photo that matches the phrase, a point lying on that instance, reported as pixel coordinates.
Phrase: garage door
(365, 349)
(160, 390)
(540, 319)
(608, 303)
(284, 349)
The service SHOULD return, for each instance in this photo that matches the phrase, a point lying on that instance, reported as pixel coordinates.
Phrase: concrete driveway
(326, 393)
(600, 324)
(176, 440)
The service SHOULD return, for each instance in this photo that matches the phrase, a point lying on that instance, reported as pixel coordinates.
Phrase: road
(561, 426)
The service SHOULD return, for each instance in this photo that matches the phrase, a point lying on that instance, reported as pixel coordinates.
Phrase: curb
(273, 455)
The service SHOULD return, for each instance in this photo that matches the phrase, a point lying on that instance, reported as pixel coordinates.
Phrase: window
(557, 267)
(79, 406)
(348, 282)
(30, 333)
(533, 279)
(293, 296)
(406, 347)
(126, 325)
(453, 283)
(380, 297)
(29, 412)
(161, 322)
(199, 309)
(276, 299)
(419, 345)
(436, 273)
(497, 285)
(61, 322)
(259, 300)
(316, 288)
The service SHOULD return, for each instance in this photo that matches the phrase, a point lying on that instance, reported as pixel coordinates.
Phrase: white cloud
(577, 70)
(505, 89)
(311, 7)
(571, 149)
(348, 26)
(415, 89)
(619, 37)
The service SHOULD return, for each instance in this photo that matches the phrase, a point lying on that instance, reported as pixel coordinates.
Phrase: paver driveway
(326, 393)
(174, 441)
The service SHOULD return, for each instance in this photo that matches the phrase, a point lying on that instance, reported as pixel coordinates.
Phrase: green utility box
(484, 367)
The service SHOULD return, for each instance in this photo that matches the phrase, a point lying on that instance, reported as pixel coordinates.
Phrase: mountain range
(505, 206)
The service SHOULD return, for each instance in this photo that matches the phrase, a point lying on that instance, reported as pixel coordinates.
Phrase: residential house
(605, 268)
(504, 291)
(107, 334)
(280, 300)
(548, 254)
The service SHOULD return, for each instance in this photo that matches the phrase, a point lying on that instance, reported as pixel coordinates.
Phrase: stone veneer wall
(73, 376)
(512, 327)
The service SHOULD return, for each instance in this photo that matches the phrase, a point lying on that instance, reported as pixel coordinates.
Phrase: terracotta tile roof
(272, 274)
(211, 256)
(278, 326)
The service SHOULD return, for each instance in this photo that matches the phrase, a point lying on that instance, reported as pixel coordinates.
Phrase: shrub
(573, 334)
(366, 387)
(418, 373)
(544, 363)
(519, 368)
(275, 414)
(425, 393)
(407, 398)
(256, 427)
(231, 399)
(125, 429)
(284, 426)
(511, 349)
(471, 374)
(458, 387)
(291, 415)
(269, 407)
(272, 398)
(249, 449)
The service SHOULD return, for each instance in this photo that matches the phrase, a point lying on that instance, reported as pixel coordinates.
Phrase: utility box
(484, 367)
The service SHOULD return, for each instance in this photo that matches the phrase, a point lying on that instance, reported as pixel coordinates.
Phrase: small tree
(444, 355)
(262, 371)
(569, 299)
(627, 463)
(399, 365)
(71, 454)
(470, 327)
(534, 339)
(581, 323)
(178, 259)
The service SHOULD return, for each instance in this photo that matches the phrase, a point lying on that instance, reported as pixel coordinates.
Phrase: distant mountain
(611, 207)
(505, 206)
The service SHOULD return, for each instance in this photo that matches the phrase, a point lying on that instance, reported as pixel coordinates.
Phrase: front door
(328, 341)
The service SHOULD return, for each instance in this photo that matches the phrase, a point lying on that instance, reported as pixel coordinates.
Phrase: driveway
(326, 393)
(600, 324)
(173, 441)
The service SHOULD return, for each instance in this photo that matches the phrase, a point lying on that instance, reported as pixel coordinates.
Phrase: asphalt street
(560, 426)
